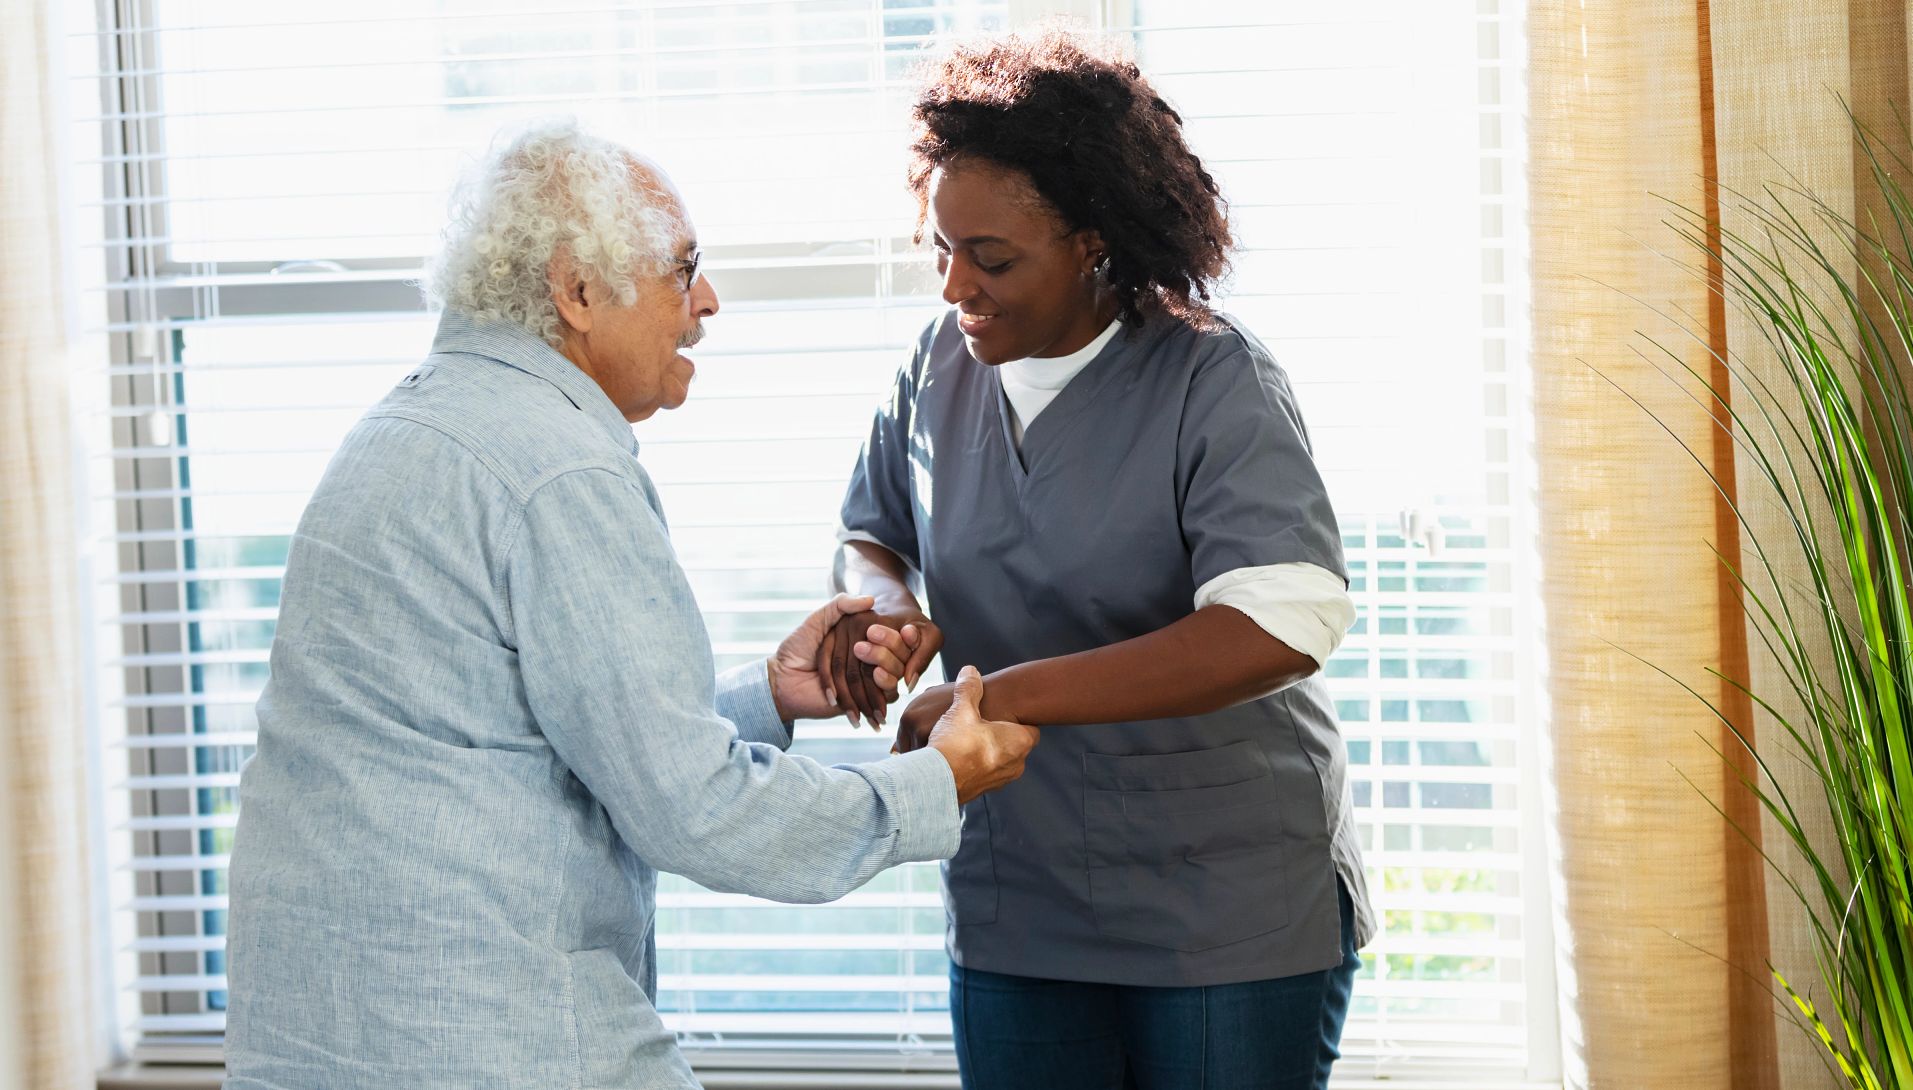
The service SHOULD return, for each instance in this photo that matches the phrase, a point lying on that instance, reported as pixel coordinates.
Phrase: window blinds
(261, 184)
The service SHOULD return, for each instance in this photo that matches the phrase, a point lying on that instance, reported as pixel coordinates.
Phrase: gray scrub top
(1173, 852)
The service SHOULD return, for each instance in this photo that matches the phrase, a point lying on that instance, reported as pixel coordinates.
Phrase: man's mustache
(694, 335)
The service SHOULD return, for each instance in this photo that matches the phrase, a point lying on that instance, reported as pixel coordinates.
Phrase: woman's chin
(987, 352)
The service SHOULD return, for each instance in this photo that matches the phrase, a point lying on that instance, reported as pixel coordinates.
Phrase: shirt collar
(518, 348)
(1054, 372)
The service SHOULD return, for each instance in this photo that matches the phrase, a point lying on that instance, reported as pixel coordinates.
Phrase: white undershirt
(1031, 384)
(1304, 605)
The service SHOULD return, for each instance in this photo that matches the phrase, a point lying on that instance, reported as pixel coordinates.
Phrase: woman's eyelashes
(943, 262)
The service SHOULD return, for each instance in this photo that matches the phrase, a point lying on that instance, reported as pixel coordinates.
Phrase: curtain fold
(1645, 876)
(1668, 917)
(46, 1015)
(1783, 70)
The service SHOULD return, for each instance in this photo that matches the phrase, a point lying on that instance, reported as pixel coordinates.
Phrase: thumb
(969, 689)
(844, 605)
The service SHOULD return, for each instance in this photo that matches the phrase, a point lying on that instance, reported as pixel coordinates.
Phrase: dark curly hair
(1100, 146)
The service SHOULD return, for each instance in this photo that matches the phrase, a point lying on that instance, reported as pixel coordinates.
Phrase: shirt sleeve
(744, 698)
(617, 671)
(846, 534)
(1251, 495)
(1302, 605)
(877, 505)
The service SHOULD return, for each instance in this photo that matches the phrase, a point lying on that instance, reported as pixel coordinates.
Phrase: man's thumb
(969, 687)
(847, 605)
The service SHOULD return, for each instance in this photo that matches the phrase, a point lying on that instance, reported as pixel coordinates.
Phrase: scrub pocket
(971, 873)
(1184, 849)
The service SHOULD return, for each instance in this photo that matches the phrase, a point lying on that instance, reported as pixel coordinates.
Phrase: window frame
(133, 180)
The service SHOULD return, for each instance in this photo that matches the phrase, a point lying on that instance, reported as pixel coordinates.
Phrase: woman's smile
(975, 325)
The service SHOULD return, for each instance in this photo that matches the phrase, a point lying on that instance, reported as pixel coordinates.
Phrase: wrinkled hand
(865, 655)
(798, 685)
(926, 708)
(983, 754)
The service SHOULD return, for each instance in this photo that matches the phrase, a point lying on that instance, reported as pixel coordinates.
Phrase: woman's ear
(1090, 251)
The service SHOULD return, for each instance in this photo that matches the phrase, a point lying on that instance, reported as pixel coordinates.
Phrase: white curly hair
(552, 197)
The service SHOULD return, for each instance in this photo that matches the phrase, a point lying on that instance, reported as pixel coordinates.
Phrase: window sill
(138, 1076)
(147, 1076)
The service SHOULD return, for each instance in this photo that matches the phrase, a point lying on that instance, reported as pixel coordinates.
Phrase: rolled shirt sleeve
(1304, 606)
(617, 670)
(845, 535)
(1261, 533)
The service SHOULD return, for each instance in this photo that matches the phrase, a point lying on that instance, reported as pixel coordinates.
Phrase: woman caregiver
(1107, 490)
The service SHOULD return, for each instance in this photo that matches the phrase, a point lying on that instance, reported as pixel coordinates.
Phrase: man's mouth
(689, 340)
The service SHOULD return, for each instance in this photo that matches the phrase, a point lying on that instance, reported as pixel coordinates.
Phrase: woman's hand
(799, 688)
(864, 656)
(913, 730)
(983, 755)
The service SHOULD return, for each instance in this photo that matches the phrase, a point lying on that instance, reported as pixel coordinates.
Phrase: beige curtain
(45, 972)
(1667, 918)
(1856, 49)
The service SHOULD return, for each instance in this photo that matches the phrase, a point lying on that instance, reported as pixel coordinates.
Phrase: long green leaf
(1831, 440)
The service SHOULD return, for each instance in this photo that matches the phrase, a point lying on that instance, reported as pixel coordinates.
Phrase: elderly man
(493, 717)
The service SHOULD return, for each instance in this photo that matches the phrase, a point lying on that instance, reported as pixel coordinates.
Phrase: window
(264, 181)
(1372, 158)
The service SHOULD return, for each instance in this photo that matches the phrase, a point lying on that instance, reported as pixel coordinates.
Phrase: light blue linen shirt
(492, 719)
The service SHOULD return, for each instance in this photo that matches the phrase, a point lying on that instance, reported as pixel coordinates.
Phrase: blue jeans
(1022, 1033)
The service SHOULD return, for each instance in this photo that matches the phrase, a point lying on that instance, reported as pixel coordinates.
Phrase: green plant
(1827, 427)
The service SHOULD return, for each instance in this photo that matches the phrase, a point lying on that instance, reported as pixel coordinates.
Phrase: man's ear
(573, 300)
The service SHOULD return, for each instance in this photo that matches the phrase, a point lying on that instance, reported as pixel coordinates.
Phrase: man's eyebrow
(689, 247)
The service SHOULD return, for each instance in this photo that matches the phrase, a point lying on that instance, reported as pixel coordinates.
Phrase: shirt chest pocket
(1185, 850)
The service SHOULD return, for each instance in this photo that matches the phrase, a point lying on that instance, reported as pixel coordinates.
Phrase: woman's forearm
(863, 568)
(1214, 658)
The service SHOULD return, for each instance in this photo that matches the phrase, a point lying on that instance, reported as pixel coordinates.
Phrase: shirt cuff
(923, 793)
(1303, 605)
(846, 534)
(744, 698)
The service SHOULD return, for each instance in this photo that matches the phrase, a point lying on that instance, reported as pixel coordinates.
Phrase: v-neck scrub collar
(1031, 384)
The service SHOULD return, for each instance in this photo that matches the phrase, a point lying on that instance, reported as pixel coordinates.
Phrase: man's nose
(703, 297)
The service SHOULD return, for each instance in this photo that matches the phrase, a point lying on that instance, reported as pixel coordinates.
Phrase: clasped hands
(848, 658)
(865, 656)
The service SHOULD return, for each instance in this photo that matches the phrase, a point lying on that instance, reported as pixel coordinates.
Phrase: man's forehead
(649, 176)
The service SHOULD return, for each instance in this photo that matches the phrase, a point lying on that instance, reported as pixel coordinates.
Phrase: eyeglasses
(688, 266)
